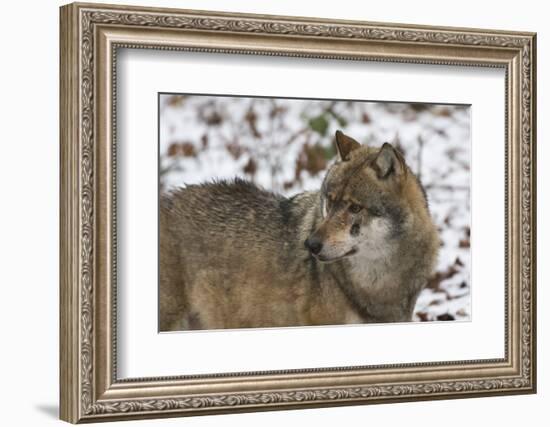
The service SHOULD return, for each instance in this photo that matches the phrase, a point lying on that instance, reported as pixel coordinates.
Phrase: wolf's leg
(171, 288)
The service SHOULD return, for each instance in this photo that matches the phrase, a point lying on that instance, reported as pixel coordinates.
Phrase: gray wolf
(359, 250)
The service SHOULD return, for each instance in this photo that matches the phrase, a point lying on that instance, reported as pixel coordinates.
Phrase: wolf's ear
(389, 162)
(345, 145)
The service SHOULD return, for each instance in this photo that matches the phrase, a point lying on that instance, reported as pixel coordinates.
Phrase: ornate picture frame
(90, 37)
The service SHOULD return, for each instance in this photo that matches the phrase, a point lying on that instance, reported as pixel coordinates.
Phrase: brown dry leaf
(251, 118)
(443, 112)
(173, 149)
(276, 110)
(422, 316)
(234, 149)
(186, 149)
(288, 185)
(312, 159)
(440, 276)
(251, 167)
(176, 100)
(464, 243)
(213, 119)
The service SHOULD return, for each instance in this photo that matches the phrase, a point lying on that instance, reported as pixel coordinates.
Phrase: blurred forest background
(286, 145)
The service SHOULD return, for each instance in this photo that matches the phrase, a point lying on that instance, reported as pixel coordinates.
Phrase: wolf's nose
(314, 245)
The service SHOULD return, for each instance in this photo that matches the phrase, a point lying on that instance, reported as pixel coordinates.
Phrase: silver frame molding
(90, 37)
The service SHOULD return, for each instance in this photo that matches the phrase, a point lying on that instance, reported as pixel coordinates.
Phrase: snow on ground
(286, 145)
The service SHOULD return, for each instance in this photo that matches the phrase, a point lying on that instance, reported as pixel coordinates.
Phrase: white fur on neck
(370, 266)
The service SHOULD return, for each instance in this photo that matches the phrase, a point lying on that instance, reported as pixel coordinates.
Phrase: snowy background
(286, 145)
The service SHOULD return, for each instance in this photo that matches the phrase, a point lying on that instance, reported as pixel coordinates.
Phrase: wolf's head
(368, 200)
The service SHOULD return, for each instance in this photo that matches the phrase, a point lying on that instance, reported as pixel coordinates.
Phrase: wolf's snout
(314, 245)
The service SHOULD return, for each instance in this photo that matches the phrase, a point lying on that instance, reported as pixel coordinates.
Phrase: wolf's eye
(355, 208)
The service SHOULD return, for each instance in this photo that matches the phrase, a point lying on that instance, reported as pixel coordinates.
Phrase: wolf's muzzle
(313, 244)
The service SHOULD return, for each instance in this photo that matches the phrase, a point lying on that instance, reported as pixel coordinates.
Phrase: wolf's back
(229, 210)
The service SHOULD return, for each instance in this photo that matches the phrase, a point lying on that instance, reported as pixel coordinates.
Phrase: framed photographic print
(267, 212)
